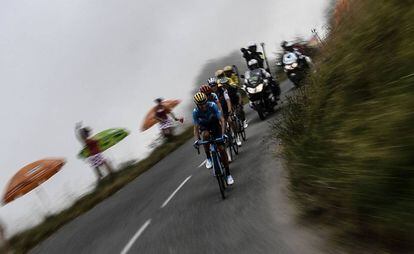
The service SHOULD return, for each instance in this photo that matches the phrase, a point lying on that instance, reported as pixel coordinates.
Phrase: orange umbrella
(31, 176)
(150, 120)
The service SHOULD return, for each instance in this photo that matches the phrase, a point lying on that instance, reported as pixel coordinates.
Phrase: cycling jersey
(213, 98)
(203, 118)
(223, 96)
(233, 80)
(234, 95)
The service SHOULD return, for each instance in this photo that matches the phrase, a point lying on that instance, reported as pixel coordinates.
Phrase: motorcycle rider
(254, 67)
(292, 48)
(251, 53)
(209, 123)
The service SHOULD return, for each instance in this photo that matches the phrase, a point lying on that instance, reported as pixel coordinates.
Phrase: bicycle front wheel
(220, 181)
(219, 174)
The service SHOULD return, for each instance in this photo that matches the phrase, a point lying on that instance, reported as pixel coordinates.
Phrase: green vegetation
(348, 137)
(26, 240)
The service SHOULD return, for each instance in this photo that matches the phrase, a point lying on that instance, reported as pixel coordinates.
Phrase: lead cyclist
(209, 121)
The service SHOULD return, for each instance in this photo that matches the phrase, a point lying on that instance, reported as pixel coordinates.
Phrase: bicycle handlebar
(217, 140)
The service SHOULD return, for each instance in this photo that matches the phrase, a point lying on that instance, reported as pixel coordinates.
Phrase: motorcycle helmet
(252, 47)
(288, 46)
(253, 64)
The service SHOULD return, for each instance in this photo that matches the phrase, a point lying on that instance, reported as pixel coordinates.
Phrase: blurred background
(103, 63)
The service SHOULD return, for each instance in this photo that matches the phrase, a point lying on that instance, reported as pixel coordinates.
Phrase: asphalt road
(176, 207)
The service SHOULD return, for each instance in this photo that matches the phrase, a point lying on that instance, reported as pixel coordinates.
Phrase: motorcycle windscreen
(255, 80)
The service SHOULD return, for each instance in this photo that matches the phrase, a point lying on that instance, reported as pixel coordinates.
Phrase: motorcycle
(260, 94)
(294, 67)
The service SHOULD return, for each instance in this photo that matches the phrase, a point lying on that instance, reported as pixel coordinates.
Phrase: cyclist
(235, 98)
(298, 50)
(211, 96)
(219, 74)
(252, 53)
(229, 73)
(209, 123)
(225, 101)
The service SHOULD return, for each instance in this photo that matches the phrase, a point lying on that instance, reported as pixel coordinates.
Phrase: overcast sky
(103, 62)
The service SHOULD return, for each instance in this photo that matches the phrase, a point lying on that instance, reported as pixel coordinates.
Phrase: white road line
(135, 237)
(202, 163)
(175, 192)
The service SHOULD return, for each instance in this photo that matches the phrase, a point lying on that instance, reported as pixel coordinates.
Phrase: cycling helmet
(200, 98)
(212, 81)
(219, 73)
(206, 89)
(228, 68)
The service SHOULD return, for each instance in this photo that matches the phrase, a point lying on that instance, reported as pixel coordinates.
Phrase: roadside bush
(348, 137)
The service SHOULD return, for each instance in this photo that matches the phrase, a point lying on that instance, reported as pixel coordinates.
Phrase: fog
(103, 63)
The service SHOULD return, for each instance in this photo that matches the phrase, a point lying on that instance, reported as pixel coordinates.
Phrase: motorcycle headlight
(294, 65)
(259, 88)
(251, 90)
(256, 89)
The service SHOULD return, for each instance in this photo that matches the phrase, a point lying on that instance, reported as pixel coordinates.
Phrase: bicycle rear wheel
(229, 144)
(242, 131)
(240, 126)
(234, 145)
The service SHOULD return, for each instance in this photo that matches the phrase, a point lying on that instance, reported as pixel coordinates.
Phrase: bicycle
(219, 171)
(239, 124)
(231, 143)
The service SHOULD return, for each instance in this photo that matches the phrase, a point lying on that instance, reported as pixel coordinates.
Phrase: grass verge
(348, 138)
(24, 241)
